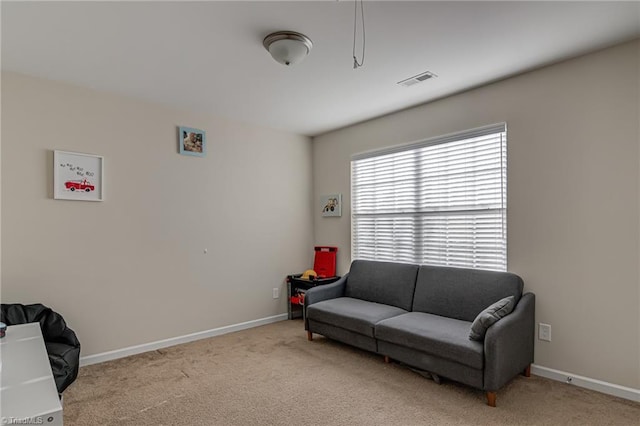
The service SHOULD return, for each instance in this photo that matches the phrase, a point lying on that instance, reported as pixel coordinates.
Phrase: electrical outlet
(276, 293)
(544, 332)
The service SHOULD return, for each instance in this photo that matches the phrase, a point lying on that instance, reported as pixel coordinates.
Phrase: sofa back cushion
(462, 293)
(382, 282)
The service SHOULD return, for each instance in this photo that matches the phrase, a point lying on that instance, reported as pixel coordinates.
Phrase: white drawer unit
(28, 393)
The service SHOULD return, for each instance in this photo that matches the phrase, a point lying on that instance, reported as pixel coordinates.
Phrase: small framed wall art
(192, 141)
(331, 205)
(77, 176)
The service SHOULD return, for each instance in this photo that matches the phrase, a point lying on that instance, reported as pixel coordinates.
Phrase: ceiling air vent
(417, 79)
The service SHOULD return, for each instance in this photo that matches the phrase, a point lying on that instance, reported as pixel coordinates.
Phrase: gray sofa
(422, 317)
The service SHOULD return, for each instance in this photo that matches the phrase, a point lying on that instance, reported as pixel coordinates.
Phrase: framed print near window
(77, 176)
(331, 205)
(192, 141)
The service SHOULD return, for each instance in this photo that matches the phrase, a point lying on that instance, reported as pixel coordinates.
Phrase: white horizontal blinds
(439, 202)
(384, 238)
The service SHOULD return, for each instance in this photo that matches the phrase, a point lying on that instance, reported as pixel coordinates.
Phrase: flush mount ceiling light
(288, 47)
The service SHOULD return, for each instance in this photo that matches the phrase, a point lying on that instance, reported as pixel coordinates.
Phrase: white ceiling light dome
(288, 47)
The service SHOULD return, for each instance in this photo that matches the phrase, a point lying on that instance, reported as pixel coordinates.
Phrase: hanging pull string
(356, 63)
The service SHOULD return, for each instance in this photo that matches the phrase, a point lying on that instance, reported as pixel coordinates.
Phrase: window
(440, 202)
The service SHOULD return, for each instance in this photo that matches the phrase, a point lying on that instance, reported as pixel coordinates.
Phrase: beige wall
(573, 203)
(132, 269)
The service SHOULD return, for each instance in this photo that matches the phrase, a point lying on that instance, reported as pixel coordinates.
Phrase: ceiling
(208, 56)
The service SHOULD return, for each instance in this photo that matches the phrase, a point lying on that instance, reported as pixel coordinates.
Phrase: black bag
(61, 342)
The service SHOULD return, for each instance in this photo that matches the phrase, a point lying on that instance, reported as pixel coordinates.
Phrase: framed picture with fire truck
(77, 176)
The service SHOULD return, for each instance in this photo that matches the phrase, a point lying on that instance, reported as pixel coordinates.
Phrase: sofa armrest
(324, 292)
(508, 344)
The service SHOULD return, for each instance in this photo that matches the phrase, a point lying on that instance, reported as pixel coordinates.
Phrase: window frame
(495, 216)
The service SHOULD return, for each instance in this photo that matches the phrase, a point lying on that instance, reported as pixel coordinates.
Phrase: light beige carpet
(272, 375)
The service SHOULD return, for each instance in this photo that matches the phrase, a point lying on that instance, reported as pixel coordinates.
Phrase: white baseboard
(587, 383)
(152, 346)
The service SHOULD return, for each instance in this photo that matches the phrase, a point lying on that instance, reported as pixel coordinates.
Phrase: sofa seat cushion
(359, 316)
(441, 336)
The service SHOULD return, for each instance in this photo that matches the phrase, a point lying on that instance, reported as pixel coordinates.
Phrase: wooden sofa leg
(387, 360)
(309, 336)
(527, 371)
(491, 399)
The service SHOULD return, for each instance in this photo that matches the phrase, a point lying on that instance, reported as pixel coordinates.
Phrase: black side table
(296, 289)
